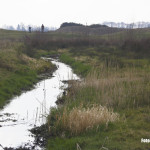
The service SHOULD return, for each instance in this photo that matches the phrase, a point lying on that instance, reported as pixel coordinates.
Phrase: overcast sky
(55, 12)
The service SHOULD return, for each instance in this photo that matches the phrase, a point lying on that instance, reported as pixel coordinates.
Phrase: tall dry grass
(126, 88)
(80, 119)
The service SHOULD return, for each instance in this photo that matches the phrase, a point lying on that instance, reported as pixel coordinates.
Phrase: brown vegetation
(80, 119)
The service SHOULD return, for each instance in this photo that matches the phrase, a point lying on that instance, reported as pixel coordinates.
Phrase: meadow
(120, 84)
(110, 107)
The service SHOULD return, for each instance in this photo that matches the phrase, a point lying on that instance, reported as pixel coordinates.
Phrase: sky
(54, 12)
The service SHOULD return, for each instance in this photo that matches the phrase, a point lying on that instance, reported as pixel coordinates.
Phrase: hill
(89, 30)
(11, 34)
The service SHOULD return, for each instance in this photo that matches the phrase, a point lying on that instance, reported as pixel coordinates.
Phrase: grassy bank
(77, 66)
(18, 72)
(118, 81)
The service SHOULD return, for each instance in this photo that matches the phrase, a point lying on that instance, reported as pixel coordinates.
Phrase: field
(110, 107)
(116, 76)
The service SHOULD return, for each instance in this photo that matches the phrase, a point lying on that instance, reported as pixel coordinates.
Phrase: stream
(30, 109)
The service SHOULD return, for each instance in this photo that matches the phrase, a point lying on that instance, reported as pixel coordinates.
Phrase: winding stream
(30, 108)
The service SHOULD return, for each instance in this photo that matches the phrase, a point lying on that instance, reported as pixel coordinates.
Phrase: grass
(116, 75)
(18, 72)
(122, 135)
(80, 119)
(118, 81)
(77, 66)
(10, 35)
(15, 84)
(116, 71)
(118, 90)
(126, 133)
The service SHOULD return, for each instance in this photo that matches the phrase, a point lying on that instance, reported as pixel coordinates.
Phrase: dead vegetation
(80, 119)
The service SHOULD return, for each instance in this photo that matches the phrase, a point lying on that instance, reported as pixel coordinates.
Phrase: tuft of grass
(81, 119)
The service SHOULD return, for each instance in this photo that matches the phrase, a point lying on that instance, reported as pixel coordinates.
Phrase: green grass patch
(18, 72)
(44, 53)
(77, 66)
(15, 84)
